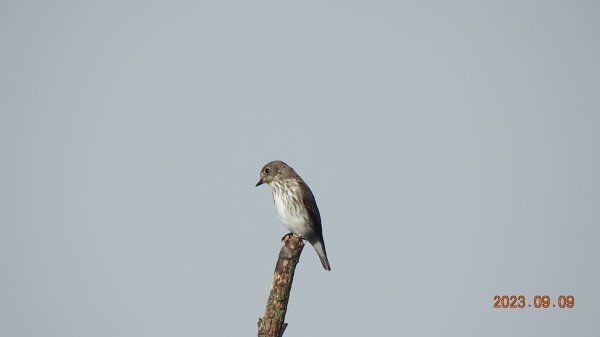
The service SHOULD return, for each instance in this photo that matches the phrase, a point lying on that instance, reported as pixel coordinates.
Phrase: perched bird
(295, 204)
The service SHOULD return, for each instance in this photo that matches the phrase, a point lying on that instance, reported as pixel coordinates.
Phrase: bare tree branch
(273, 323)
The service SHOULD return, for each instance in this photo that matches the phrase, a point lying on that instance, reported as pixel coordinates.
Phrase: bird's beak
(260, 182)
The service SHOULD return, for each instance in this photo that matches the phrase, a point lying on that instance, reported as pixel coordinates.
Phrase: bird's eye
(267, 170)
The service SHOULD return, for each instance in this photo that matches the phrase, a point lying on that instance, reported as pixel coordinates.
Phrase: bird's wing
(308, 199)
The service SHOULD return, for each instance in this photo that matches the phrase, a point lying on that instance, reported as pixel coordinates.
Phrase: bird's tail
(320, 248)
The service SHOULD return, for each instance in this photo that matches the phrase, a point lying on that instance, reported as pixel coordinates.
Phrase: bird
(295, 205)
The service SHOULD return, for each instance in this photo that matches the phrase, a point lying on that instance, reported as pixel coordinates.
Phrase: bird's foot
(289, 236)
(286, 237)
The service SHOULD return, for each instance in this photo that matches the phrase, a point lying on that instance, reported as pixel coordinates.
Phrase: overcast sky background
(453, 148)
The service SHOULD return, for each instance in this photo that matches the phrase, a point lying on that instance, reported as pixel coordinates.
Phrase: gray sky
(453, 148)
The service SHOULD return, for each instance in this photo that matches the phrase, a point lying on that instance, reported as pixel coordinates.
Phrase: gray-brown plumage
(295, 204)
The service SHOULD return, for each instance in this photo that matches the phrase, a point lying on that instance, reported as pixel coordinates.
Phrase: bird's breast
(290, 209)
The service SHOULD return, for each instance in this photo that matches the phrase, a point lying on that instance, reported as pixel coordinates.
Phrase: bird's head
(273, 171)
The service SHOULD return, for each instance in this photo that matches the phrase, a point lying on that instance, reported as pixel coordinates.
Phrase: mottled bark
(273, 323)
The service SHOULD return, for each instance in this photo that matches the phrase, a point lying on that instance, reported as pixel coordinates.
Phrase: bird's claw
(289, 236)
(286, 237)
